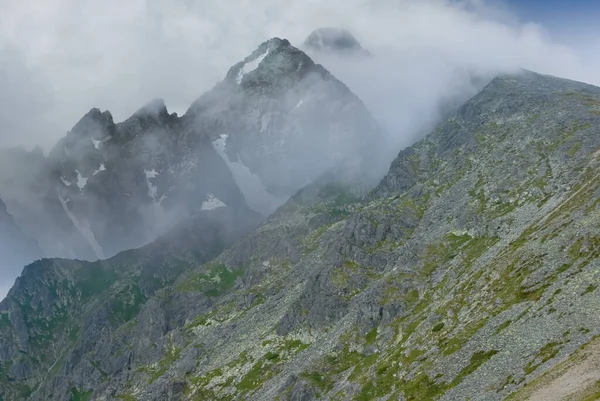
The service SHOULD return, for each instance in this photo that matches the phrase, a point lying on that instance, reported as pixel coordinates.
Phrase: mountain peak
(272, 60)
(92, 122)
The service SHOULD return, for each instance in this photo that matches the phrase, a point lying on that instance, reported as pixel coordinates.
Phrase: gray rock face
(470, 271)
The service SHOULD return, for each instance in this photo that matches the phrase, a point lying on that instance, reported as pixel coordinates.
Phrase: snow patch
(96, 143)
(250, 66)
(100, 169)
(84, 229)
(211, 203)
(81, 181)
(152, 189)
(219, 144)
(66, 182)
(256, 195)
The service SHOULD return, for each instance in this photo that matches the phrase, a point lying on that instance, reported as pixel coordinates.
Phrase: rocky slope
(470, 272)
(62, 310)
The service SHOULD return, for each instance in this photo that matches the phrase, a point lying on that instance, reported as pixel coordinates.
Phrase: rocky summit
(470, 272)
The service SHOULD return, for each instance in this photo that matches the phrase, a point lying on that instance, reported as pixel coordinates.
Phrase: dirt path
(573, 380)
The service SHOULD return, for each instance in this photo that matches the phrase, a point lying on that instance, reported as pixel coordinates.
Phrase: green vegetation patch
(172, 355)
(127, 304)
(80, 395)
(94, 279)
(216, 280)
(546, 353)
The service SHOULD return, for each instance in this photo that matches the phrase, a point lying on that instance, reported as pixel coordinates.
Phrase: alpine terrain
(469, 272)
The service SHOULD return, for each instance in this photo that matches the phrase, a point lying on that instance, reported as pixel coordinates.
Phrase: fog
(60, 58)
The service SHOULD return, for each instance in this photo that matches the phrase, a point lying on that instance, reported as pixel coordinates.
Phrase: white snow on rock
(152, 189)
(81, 181)
(256, 195)
(66, 182)
(96, 143)
(250, 66)
(100, 169)
(211, 203)
(84, 229)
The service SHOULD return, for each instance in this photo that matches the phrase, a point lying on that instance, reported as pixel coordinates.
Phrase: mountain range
(247, 251)
(275, 124)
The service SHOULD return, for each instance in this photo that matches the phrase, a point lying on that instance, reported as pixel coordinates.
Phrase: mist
(61, 58)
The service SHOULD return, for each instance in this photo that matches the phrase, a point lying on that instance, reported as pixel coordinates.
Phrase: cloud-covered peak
(92, 122)
(333, 40)
(155, 107)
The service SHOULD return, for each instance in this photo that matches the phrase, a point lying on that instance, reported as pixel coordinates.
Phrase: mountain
(469, 272)
(123, 184)
(275, 123)
(286, 120)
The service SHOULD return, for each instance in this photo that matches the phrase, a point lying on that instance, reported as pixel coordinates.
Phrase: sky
(568, 21)
(60, 58)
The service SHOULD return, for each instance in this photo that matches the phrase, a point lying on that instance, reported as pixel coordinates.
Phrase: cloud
(59, 58)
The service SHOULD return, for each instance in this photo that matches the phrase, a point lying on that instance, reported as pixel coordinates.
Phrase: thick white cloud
(59, 58)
